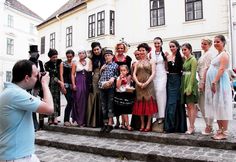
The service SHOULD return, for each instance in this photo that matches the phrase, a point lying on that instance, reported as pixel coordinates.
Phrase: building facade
(80, 22)
(17, 32)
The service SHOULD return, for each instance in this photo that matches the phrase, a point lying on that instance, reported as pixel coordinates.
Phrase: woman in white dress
(160, 78)
(202, 67)
(218, 96)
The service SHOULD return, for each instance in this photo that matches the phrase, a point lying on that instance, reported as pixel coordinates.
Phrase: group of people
(157, 85)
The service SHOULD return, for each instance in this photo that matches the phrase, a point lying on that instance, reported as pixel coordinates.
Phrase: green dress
(189, 84)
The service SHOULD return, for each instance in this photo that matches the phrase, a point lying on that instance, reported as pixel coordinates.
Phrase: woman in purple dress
(79, 74)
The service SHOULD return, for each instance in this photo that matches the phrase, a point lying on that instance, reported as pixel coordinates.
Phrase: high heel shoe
(190, 131)
(147, 130)
(220, 135)
(141, 129)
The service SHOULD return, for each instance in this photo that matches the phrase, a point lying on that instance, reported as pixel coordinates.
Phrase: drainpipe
(59, 35)
(231, 33)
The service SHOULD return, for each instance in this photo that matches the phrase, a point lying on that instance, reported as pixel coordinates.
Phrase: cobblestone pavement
(51, 154)
(139, 147)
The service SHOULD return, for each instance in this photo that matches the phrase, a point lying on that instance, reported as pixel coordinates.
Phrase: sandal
(67, 124)
(123, 127)
(190, 131)
(220, 135)
(208, 131)
(129, 128)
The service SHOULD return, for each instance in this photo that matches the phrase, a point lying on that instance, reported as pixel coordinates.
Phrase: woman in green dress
(189, 88)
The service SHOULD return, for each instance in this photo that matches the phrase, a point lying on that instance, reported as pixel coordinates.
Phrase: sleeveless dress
(145, 103)
(81, 93)
(219, 105)
(160, 80)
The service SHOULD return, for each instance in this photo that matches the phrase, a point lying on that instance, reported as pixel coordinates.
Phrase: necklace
(83, 63)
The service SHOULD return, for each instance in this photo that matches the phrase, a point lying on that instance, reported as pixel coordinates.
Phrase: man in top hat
(34, 57)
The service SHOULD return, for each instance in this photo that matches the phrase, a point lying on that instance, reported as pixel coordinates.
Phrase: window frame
(101, 23)
(42, 51)
(197, 54)
(8, 76)
(10, 46)
(69, 36)
(112, 22)
(193, 2)
(158, 22)
(10, 21)
(91, 26)
(52, 40)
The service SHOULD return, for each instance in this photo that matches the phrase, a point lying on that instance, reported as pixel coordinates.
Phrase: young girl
(124, 95)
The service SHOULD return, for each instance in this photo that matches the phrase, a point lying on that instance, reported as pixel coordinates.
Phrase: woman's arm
(134, 75)
(73, 69)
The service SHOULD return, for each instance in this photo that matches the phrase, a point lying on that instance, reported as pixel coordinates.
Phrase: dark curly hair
(144, 45)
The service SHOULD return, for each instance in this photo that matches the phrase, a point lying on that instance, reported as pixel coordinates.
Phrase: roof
(22, 8)
(68, 6)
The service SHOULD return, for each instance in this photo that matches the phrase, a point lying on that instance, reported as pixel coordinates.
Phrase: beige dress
(145, 103)
(203, 64)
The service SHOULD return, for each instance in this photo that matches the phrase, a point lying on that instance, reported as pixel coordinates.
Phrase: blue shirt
(16, 124)
(110, 71)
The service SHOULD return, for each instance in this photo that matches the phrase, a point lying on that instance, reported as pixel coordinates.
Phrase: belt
(186, 72)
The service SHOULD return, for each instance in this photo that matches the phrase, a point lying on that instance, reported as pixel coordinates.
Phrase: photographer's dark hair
(21, 69)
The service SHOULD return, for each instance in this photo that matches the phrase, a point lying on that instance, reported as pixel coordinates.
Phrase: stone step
(179, 139)
(132, 149)
(52, 154)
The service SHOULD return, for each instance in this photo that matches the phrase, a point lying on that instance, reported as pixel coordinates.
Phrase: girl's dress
(123, 99)
(145, 103)
(218, 105)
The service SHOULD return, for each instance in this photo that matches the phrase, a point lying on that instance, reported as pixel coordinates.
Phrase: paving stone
(126, 148)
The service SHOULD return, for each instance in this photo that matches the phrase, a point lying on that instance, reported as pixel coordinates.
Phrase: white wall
(20, 32)
(132, 22)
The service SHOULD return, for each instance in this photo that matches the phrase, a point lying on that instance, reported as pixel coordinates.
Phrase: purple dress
(81, 94)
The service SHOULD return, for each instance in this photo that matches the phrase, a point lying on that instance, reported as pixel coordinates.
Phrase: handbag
(158, 127)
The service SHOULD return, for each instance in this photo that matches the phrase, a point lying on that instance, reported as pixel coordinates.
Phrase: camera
(38, 84)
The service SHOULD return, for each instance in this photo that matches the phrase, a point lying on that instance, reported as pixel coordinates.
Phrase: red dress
(145, 103)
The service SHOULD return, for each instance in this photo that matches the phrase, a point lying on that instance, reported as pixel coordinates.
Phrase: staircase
(58, 143)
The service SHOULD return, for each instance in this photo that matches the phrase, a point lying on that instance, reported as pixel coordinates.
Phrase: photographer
(16, 107)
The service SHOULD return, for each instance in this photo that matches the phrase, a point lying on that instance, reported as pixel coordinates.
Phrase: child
(124, 96)
(106, 84)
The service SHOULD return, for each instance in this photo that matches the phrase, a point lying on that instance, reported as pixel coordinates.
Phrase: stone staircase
(122, 145)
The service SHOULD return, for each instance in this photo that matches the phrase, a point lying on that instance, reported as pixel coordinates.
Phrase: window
(197, 54)
(10, 21)
(31, 28)
(8, 76)
(157, 13)
(69, 36)
(193, 10)
(101, 23)
(42, 45)
(52, 40)
(10, 46)
(91, 26)
(112, 22)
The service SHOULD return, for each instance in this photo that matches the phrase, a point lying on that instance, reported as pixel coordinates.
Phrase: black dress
(127, 97)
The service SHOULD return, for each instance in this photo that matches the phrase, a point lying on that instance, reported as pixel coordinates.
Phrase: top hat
(33, 48)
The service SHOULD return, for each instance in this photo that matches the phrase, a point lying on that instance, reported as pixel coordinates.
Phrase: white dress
(219, 105)
(160, 80)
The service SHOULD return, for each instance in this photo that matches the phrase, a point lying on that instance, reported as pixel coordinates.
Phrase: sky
(43, 8)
